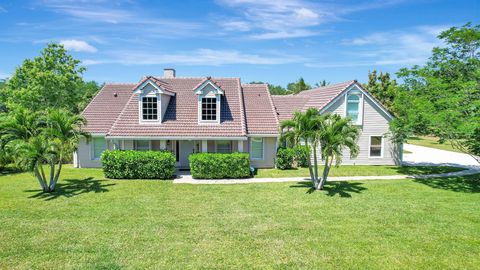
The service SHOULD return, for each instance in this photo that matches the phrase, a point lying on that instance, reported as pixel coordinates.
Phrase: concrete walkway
(187, 179)
(420, 156)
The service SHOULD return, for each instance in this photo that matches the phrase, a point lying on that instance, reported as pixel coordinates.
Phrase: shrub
(302, 155)
(217, 165)
(130, 164)
(285, 158)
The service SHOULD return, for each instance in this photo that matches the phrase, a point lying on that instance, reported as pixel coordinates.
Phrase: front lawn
(358, 170)
(93, 223)
(431, 142)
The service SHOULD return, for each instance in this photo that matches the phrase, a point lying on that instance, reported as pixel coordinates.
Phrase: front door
(186, 148)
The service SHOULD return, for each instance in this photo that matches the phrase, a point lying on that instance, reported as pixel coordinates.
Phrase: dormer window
(149, 108)
(209, 109)
(354, 106)
(209, 96)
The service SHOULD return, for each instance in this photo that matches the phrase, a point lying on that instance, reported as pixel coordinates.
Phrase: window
(353, 107)
(142, 145)
(224, 146)
(149, 108)
(99, 145)
(256, 148)
(209, 109)
(376, 143)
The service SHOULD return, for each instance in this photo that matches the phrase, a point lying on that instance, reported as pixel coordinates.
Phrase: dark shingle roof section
(106, 106)
(181, 117)
(260, 114)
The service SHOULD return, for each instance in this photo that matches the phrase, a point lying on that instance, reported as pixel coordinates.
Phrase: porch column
(240, 146)
(204, 146)
(163, 145)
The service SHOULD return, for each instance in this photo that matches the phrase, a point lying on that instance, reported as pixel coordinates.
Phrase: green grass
(431, 142)
(92, 223)
(358, 170)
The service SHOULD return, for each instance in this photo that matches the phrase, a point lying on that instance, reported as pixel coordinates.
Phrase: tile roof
(260, 113)
(316, 97)
(105, 107)
(181, 115)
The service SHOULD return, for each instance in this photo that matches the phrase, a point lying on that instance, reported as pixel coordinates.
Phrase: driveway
(430, 156)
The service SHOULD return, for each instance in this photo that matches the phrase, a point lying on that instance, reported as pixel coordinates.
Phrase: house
(189, 115)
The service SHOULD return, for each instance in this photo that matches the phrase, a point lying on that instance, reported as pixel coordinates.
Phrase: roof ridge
(331, 85)
(91, 101)
(275, 113)
(119, 83)
(121, 113)
(242, 108)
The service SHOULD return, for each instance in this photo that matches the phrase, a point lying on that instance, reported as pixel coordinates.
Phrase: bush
(130, 164)
(285, 158)
(302, 155)
(216, 165)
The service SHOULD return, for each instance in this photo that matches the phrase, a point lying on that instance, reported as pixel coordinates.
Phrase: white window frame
(213, 92)
(360, 104)
(158, 108)
(149, 145)
(216, 145)
(92, 147)
(382, 145)
(263, 148)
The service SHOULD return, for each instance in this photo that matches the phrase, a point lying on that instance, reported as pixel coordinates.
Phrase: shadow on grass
(73, 187)
(340, 188)
(423, 170)
(466, 184)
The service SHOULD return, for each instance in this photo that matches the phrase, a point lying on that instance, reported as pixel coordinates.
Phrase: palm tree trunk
(57, 175)
(326, 171)
(315, 164)
(52, 172)
(42, 182)
(310, 170)
(47, 189)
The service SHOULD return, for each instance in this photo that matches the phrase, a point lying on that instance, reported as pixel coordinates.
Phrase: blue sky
(256, 40)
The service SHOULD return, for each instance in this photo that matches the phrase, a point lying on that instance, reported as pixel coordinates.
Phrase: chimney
(169, 73)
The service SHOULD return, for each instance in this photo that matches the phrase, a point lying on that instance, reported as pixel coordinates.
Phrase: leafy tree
(382, 88)
(88, 90)
(442, 98)
(298, 86)
(322, 83)
(36, 139)
(329, 132)
(51, 80)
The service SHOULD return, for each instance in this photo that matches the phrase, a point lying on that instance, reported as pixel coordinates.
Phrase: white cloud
(410, 46)
(78, 45)
(204, 57)
(3, 10)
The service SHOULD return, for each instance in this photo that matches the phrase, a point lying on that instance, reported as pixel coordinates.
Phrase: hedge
(217, 165)
(302, 155)
(130, 164)
(285, 158)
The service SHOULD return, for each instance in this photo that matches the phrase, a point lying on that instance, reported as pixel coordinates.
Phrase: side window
(99, 145)
(256, 148)
(353, 107)
(376, 145)
(224, 146)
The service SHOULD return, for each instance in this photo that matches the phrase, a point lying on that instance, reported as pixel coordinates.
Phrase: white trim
(140, 109)
(139, 89)
(263, 148)
(263, 135)
(382, 145)
(199, 90)
(359, 87)
(177, 138)
(217, 110)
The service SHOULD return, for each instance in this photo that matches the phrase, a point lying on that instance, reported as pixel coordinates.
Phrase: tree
(38, 139)
(337, 135)
(442, 98)
(322, 83)
(51, 80)
(298, 86)
(382, 88)
(330, 133)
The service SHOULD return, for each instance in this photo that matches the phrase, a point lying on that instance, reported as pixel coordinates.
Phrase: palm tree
(337, 135)
(37, 139)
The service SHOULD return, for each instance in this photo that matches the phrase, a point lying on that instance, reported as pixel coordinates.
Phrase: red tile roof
(105, 107)
(316, 97)
(259, 110)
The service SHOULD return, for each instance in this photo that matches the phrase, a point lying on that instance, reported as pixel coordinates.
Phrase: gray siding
(269, 153)
(375, 123)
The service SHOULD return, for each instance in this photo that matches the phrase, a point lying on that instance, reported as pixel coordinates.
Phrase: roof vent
(115, 94)
(169, 73)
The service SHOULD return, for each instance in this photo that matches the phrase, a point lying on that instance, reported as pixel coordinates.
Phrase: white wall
(269, 153)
